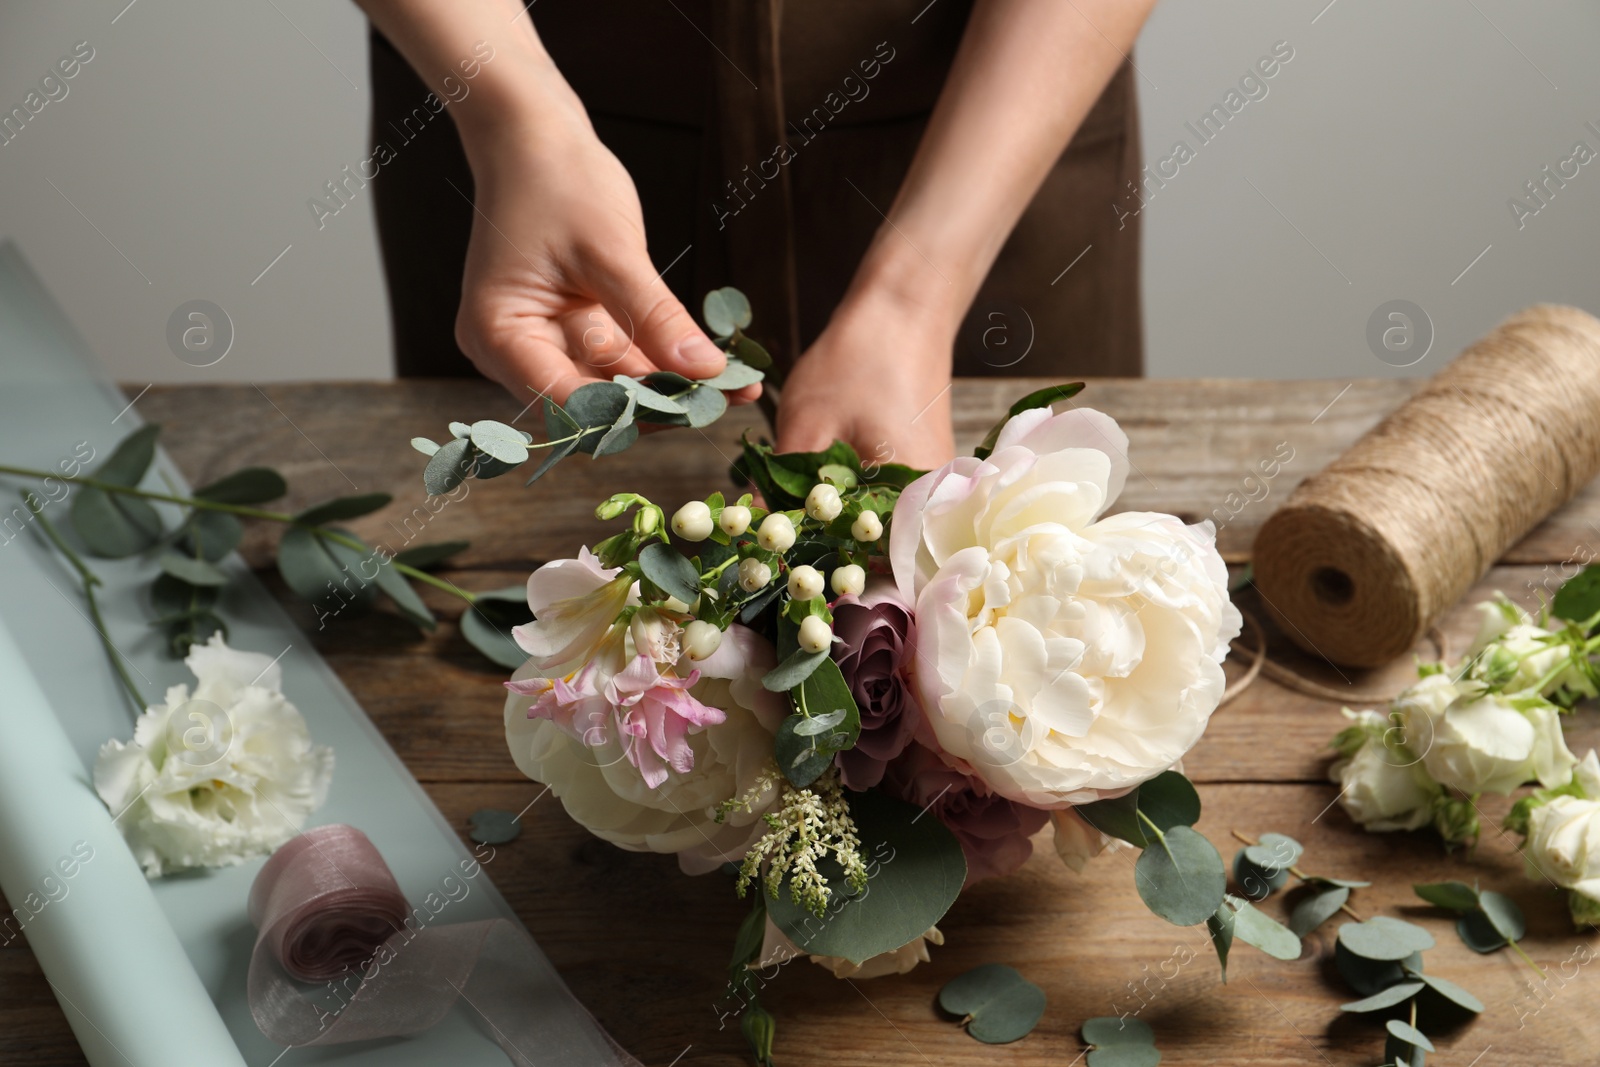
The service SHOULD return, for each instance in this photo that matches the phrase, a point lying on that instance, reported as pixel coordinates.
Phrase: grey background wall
(1375, 165)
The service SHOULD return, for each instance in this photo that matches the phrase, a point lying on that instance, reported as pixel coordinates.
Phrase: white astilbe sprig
(808, 825)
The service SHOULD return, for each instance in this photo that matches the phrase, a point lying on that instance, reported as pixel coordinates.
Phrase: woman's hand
(878, 378)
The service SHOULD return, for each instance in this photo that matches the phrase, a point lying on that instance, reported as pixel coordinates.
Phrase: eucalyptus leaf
(736, 375)
(1388, 998)
(491, 826)
(1384, 938)
(393, 584)
(1169, 799)
(1267, 934)
(1409, 1034)
(342, 508)
(499, 441)
(1257, 883)
(1347, 883)
(1275, 852)
(112, 525)
(424, 556)
(488, 622)
(252, 485)
(322, 571)
(703, 406)
(1402, 1053)
(1503, 914)
(998, 1004)
(1451, 992)
(1220, 926)
(131, 458)
(460, 430)
(917, 870)
(801, 759)
(1104, 1031)
(556, 454)
(623, 432)
(212, 534)
(825, 692)
(648, 398)
(595, 408)
(1180, 877)
(196, 629)
(426, 445)
(1453, 896)
(670, 571)
(1317, 908)
(1479, 934)
(726, 311)
(1124, 1056)
(191, 570)
(448, 467)
(819, 724)
(793, 670)
(172, 597)
(1373, 976)
(751, 352)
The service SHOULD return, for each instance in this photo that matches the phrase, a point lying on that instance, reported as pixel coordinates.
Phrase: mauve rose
(878, 641)
(993, 831)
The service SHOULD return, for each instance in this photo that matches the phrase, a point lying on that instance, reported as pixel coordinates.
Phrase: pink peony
(993, 831)
(878, 643)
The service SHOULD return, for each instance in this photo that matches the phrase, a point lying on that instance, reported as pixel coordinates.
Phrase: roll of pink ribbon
(329, 913)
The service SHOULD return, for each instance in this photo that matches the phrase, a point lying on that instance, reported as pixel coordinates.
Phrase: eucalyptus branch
(89, 580)
(1298, 873)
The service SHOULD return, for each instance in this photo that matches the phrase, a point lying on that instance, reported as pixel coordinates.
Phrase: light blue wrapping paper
(52, 398)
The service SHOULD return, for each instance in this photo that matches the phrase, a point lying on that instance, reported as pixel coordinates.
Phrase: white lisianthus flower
(574, 602)
(777, 949)
(1483, 742)
(1383, 785)
(218, 776)
(1061, 656)
(606, 792)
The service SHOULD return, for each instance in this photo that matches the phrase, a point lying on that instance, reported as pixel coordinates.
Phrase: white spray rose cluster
(1488, 725)
(1561, 827)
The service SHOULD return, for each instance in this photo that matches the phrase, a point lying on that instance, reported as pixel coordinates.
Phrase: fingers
(517, 355)
(659, 324)
(600, 347)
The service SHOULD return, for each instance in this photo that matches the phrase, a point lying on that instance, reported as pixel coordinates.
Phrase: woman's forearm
(1026, 75)
(490, 47)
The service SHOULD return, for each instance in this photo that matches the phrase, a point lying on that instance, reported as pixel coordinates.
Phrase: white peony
(607, 794)
(777, 949)
(1384, 786)
(213, 778)
(1481, 742)
(1062, 656)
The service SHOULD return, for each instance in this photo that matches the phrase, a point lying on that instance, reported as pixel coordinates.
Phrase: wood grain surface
(645, 948)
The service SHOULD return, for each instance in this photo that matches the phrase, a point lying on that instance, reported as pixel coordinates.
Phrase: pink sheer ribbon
(329, 911)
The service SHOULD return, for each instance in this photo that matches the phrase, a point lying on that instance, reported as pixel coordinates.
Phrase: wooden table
(645, 948)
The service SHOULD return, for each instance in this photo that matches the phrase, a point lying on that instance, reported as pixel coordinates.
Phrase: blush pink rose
(994, 832)
(877, 641)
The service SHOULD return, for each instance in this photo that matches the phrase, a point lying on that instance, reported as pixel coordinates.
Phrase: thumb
(642, 304)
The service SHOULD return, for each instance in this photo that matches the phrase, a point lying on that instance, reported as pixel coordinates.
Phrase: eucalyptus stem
(1298, 873)
(238, 509)
(1538, 970)
(89, 580)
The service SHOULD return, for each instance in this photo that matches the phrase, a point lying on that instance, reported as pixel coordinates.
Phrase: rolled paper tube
(78, 896)
(329, 912)
(1365, 555)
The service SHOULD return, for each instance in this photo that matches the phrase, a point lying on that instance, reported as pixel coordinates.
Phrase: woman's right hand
(559, 288)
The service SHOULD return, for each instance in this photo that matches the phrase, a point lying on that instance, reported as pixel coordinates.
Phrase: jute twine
(1364, 556)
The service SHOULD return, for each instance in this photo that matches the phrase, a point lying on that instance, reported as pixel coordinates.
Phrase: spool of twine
(1366, 554)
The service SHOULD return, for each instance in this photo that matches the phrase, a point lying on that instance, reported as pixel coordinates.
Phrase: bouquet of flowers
(861, 687)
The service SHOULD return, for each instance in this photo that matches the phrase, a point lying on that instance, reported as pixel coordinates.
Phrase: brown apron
(764, 140)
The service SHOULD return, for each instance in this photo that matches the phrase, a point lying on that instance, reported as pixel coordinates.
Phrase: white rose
(1382, 786)
(607, 794)
(1564, 844)
(216, 777)
(1060, 655)
(1506, 632)
(1484, 742)
(777, 949)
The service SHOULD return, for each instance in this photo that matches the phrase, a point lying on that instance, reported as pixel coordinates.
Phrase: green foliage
(1578, 599)
(487, 624)
(1180, 877)
(491, 826)
(1167, 800)
(251, 485)
(994, 1002)
(667, 568)
(115, 525)
(1039, 398)
(1120, 1041)
(1488, 922)
(1259, 931)
(915, 869)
